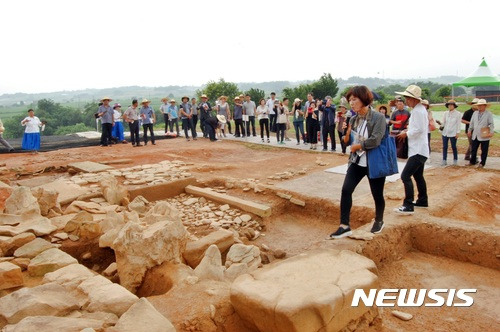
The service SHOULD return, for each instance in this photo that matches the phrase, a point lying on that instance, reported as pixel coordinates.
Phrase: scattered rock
(190, 201)
(210, 266)
(13, 243)
(21, 201)
(297, 201)
(21, 262)
(25, 223)
(61, 236)
(139, 204)
(74, 238)
(47, 200)
(362, 235)
(33, 248)
(110, 270)
(283, 195)
(297, 304)
(245, 218)
(70, 276)
(142, 317)
(138, 248)
(44, 300)
(240, 253)
(195, 250)
(10, 276)
(107, 296)
(84, 226)
(59, 324)
(114, 192)
(402, 315)
(235, 270)
(48, 261)
(224, 207)
(279, 254)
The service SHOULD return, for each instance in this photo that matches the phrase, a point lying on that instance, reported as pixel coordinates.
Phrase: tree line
(62, 120)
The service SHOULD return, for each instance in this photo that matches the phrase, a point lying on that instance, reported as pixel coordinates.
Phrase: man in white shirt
(272, 114)
(418, 151)
(249, 109)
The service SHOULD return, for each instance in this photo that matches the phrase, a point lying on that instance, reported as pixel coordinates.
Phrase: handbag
(382, 161)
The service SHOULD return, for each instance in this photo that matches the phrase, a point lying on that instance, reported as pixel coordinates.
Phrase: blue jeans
(453, 147)
(414, 167)
(299, 130)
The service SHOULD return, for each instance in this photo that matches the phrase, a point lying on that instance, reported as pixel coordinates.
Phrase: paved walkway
(435, 160)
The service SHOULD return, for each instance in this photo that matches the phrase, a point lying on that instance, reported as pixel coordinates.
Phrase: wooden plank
(258, 209)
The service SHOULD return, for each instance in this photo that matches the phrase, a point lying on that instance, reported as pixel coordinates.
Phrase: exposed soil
(452, 244)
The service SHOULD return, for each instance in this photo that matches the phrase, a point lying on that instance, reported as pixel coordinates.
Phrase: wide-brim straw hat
(237, 98)
(106, 98)
(172, 100)
(221, 118)
(296, 100)
(164, 99)
(344, 103)
(412, 91)
(204, 96)
(474, 101)
(145, 101)
(222, 97)
(482, 102)
(426, 103)
(451, 102)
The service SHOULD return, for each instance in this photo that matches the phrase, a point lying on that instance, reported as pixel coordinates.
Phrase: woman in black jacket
(365, 132)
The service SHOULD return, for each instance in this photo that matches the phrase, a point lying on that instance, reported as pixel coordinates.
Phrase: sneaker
(324, 150)
(11, 150)
(404, 210)
(377, 227)
(195, 138)
(455, 162)
(139, 144)
(340, 233)
(287, 139)
(153, 143)
(480, 165)
(443, 163)
(298, 143)
(333, 150)
(420, 205)
(262, 140)
(268, 140)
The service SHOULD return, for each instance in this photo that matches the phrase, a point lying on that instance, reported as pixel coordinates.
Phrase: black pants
(239, 126)
(210, 131)
(329, 130)
(469, 148)
(107, 128)
(195, 122)
(264, 123)
(165, 118)
(145, 127)
(280, 131)
(272, 122)
(251, 121)
(187, 124)
(341, 139)
(355, 174)
(312, 130)
(484, 151)
(414, 167)
(171, 125)
(228, 125)
(134, 132)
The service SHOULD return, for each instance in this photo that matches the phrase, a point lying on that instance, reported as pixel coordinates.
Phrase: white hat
(344, 103)
(221, 118)
(482, 102)
(412, 91)
(425, 102)
(145, 101)
(296, 100)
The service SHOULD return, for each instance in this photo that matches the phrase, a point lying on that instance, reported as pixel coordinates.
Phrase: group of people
(368, 130)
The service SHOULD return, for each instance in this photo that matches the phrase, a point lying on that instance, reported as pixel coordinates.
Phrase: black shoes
(404, 210)
(420, 205)
(377, 227)
(340, 233)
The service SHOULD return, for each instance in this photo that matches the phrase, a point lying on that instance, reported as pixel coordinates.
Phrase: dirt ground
(465, 198)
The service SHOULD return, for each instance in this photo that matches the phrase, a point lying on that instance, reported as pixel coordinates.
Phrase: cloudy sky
(67, 45)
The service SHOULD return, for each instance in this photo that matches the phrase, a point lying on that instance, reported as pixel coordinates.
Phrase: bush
(77, 128)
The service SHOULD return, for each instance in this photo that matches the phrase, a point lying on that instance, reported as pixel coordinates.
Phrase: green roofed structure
(481, 77)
